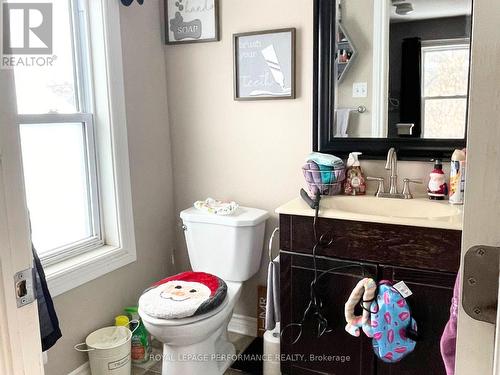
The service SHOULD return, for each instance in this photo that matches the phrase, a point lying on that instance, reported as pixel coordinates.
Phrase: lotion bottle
(355, 183)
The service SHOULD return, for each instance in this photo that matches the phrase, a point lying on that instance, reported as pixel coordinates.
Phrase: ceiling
(427, 9)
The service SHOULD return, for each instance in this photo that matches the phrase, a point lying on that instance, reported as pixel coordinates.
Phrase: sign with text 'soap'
(27, 34)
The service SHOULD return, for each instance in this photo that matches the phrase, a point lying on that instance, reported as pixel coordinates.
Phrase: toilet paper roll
(272, 351)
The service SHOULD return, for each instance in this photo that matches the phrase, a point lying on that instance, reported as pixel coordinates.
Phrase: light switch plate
(359, 89)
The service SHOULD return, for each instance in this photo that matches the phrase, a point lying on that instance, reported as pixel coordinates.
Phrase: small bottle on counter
(355, 183)
(437, 188)
(457, 177)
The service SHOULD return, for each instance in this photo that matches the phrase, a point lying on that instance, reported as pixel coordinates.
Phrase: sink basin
(398, 208)
(420, 212)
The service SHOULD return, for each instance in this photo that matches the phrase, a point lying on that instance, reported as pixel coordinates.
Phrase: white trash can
(109, 351)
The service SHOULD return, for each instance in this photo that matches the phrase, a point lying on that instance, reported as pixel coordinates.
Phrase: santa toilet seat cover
(183, 295)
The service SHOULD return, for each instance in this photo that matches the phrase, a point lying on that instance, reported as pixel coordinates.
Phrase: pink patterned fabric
(449, 338)
(394, 330)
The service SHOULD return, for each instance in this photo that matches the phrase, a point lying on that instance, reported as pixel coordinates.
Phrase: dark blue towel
(49, 324)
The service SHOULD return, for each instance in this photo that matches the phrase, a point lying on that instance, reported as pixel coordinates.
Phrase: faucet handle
(381, 187)
(406, 187)
(414, 180)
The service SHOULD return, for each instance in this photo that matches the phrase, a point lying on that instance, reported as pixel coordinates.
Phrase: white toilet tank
(229, 247)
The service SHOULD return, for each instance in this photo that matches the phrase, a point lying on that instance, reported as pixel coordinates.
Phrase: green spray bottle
(141, 340)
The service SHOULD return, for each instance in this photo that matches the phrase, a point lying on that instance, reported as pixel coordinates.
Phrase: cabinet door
(336, 352)
(430, 305)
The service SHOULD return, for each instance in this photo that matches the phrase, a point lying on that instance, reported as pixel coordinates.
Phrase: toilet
(229, 247)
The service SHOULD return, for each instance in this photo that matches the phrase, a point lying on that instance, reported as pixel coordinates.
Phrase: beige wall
(94, 304)
(247, 151)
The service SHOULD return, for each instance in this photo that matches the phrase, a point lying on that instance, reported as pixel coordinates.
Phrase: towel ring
(359, 109)
(270, 251)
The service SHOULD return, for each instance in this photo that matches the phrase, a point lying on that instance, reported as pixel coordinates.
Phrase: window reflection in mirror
(419, 54)
(444, 86)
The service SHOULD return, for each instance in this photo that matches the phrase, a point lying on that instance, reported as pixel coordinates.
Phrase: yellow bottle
(122, 321)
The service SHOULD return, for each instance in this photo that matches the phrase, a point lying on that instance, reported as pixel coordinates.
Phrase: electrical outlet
(359, 89)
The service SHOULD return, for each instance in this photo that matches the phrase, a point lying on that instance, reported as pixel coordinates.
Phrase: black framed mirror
(407, 87)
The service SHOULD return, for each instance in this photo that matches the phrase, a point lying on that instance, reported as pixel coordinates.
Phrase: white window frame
(95, 240)
(84, 114)
(114, 246)
(439, 45)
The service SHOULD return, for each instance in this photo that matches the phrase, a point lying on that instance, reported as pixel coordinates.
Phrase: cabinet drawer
(398, 245)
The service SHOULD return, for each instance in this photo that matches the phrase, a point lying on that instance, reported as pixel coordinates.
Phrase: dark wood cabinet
(430, 307)
(426, 259)
(336, 352)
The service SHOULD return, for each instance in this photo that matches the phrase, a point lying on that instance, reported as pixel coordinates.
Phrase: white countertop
(417, 212)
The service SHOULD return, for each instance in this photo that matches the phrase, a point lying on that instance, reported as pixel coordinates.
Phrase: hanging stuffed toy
(183, 295)
(364, 293)
(128, 2)
(394, 330)
(386, 318)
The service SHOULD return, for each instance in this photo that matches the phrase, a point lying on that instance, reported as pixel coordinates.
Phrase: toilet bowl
(198, 344)
(229, 247)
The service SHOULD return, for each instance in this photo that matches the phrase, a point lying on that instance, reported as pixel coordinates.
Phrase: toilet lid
(183, 295)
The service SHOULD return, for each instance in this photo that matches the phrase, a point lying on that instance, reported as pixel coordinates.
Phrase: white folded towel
(342, 122)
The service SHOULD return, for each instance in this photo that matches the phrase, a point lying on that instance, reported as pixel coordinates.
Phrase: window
(74, 147)
(57, 140)
(445, 78)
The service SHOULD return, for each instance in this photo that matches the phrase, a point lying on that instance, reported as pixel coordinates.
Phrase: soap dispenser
(355, 183)
(437, 188)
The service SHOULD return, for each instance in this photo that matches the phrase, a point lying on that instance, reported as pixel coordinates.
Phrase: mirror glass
(410, 75)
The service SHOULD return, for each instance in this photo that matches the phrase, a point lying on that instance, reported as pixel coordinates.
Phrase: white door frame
(20, 346)
(476, 340)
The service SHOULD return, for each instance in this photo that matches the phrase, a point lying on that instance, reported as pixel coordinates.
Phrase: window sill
(76, 271)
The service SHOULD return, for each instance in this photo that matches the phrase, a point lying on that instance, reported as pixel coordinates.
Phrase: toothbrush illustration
(272, 62)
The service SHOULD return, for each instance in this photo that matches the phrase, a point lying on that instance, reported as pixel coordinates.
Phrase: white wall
(251, 152)
(94, 305)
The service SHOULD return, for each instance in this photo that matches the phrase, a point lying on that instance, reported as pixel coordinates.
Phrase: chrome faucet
(392, 165)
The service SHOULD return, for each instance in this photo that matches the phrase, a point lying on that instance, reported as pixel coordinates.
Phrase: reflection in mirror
(346, 53)
(423, 59)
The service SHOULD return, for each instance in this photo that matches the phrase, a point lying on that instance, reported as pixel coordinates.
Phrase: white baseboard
(244, 325)
(82, 370)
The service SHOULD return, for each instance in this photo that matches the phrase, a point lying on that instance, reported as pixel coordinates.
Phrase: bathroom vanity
(416, 241)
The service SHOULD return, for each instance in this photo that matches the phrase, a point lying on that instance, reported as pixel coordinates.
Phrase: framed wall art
(264, 65)
(191, 21)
